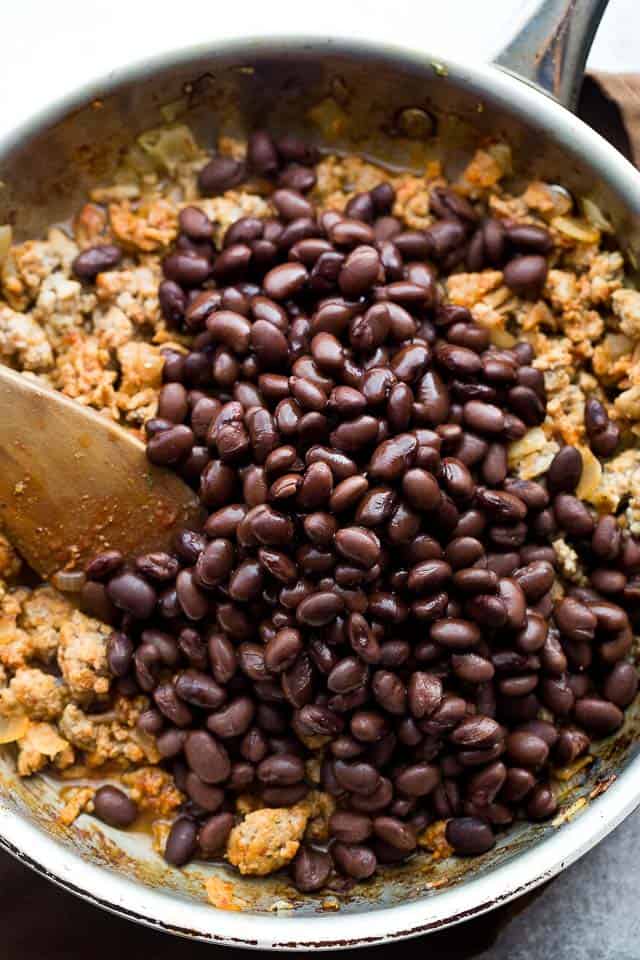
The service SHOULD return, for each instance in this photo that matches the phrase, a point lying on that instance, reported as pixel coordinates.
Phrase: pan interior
(385, 106)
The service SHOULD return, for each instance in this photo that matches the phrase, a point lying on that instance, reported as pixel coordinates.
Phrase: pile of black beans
(369, 577)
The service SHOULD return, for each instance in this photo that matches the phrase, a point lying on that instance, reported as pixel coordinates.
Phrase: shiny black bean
(349, 827)
(396, 833)
(565, 471)
(598, 717)
(541, 803)
(354, 860)
(129, 592)
(207, 757)
(418, 779)
(469, 836)
(182, 842)
(526, 749)
(621, 685)
(358, 777)
(94, 260)
(114, 807)
(214, 832)
(526, 275)
(281, 770)
(310, 869)
(119, 653)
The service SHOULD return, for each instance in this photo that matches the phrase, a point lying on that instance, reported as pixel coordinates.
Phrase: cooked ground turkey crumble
(103, 348)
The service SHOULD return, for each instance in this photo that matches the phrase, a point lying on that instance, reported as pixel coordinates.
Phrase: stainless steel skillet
(46, 165)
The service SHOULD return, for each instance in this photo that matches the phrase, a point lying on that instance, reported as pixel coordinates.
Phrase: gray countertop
(590, 911)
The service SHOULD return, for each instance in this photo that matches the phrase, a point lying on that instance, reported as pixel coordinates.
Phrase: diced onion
(13, 728)
(6, 235)
(595, 216)
(68, 581)
(576, 229)
(591, 475)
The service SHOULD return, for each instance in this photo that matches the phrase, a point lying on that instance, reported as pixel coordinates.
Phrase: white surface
(48, 48)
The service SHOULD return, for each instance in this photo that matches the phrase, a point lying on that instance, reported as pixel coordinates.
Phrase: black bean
(195, 223)
(290, 204)
(114, 807)
(119, 653)
(528, 406)
(526, 275)
(428, 576)
(193, 602)
(360, 778)
(170, 705)
(541, 803)
(193, 647)
(368, 726)
(316, 719)
(206, 757)
(214, 832)
(359, 545)
(599, 717)
(319, 609)
(131, 593)
(170, 446)
(182, 842)
(348, 674)
(389, 691)
(171, 742)
(445, 237)
(285, 281)
(158, 566)
(605, 443)
(476, 731)
(383, 196)
(565, 471)
(281, 770)
(469, 836)
(575, 620)
(361, 269)
(297, 177)
(608, 581)
(220, 174)
(202, 794)
(199, 689)
(621, 685)
(526, 749)
(150, 721)
(455, 633)
(535, 579)
(570, 745)
(173, 402)
(526, 236)
(354, 860)
(262, 154)
(186, 268)
(573, 516)
(310, 869)
(349, 827)
(94, 260)
(396, 833)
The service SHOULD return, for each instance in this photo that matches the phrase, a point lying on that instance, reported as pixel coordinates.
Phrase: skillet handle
(550, 50)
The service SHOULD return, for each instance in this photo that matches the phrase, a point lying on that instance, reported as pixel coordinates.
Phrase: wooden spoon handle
(73, 483)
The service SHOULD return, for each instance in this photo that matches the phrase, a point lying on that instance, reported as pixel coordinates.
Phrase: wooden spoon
(72, 483)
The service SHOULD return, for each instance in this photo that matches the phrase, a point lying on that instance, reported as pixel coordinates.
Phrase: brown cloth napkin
(610, 102)
(38, 921)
